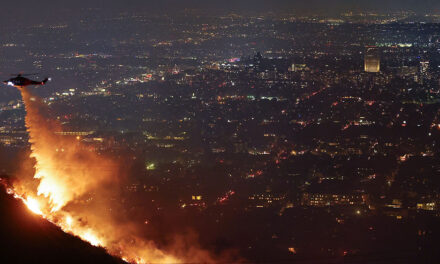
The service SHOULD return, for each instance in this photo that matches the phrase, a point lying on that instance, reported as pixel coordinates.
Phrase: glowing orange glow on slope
(33, 205)
(68, 172)
(91, 238)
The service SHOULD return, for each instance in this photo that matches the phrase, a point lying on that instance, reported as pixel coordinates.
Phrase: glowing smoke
(68, 175)
(66, 169)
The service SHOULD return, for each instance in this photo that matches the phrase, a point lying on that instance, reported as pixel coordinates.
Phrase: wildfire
(33, 205)
(68, 173)
(91, 238)
(69, 221)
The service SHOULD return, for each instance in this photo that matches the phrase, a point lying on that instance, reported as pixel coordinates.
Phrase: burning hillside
(72, 186)
(26, 238)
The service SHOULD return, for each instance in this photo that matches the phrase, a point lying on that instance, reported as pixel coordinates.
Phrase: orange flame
(67, 172)
(33, 205)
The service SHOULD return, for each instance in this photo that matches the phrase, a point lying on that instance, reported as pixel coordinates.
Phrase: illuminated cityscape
(277, 136)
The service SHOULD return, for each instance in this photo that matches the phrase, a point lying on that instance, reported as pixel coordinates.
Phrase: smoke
(73, 187)
(66, 169)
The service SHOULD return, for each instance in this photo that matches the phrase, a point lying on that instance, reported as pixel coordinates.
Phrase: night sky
(320, 6)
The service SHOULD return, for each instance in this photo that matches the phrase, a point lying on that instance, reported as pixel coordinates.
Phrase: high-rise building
(372, 59)
(424, 66)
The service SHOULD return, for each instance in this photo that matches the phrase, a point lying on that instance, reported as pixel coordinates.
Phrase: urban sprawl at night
(282, 137)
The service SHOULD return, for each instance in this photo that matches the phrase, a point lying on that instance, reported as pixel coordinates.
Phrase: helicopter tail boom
(40, 83)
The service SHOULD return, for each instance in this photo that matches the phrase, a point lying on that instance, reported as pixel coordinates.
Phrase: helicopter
(20, 81)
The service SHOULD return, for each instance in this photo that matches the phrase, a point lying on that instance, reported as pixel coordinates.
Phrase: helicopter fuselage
(21, 81)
